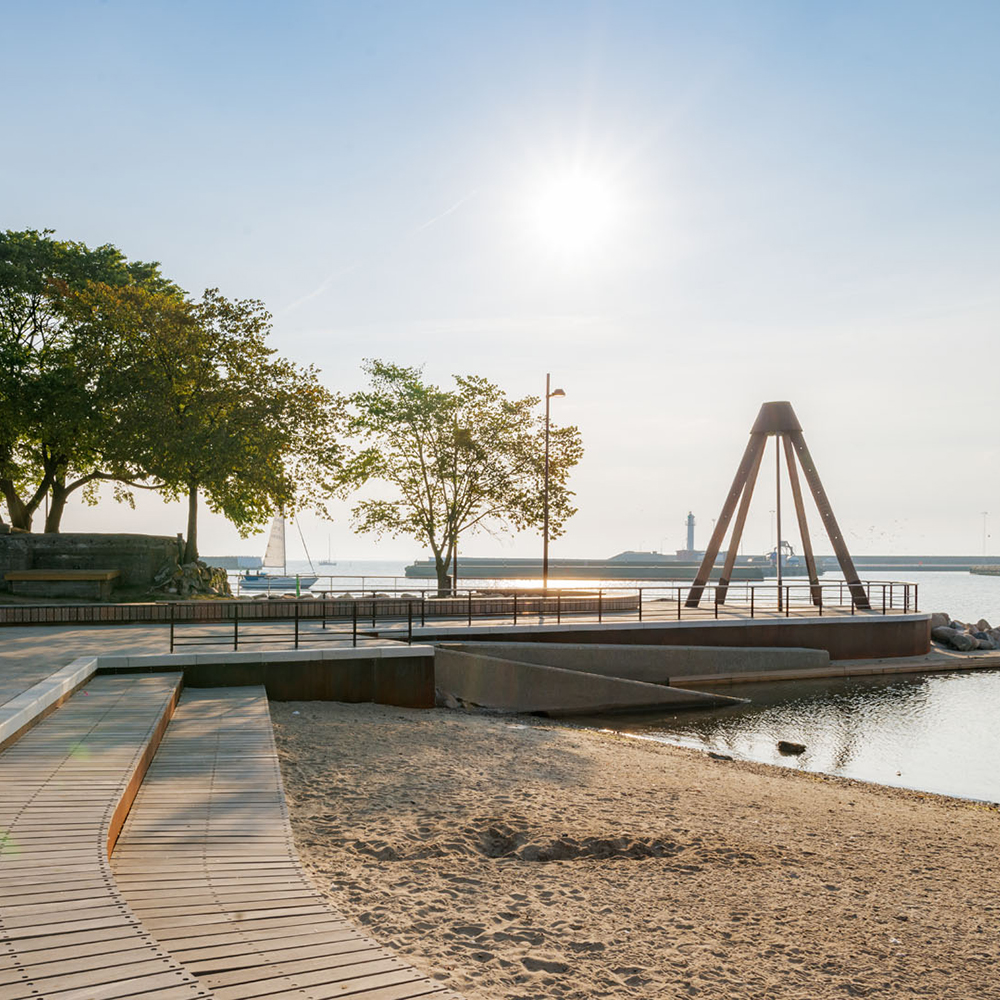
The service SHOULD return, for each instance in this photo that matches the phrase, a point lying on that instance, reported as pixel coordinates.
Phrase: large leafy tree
(453, 460)
(206, 408)
(56, 428)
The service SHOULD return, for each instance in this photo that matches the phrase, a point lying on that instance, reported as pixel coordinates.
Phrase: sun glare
(575, 213)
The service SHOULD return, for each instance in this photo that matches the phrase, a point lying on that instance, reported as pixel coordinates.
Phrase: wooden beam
(753, 449)
(807, 550)
(829, 521)
(741, 518)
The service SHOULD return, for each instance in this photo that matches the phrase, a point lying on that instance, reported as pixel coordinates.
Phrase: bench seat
(89, 583)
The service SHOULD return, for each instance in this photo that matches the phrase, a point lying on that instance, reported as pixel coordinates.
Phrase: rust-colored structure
(777, 420)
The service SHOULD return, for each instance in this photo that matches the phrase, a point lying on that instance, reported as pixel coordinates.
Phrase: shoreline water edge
(513, 858)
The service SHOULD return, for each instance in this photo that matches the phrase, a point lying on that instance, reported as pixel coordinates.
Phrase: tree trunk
(444, 580)
(59, 497)
(191, 549)
(20, 512)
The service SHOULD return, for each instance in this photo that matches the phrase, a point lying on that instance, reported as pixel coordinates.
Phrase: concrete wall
(136, 557)
(386, 675)
(847, 638)
(514, 686)
(653, 664)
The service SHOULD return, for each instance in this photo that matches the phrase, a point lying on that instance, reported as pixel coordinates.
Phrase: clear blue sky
(801, 201)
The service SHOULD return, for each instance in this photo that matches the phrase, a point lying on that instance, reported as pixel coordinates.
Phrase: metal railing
(238, 624)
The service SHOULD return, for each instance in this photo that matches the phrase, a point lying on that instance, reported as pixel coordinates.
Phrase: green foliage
(456, 461)
(108, 372)
(204, 405)
(53, 427)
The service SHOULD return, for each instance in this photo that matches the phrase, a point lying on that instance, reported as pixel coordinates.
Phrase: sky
(679, 210)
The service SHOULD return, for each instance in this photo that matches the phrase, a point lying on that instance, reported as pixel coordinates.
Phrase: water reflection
(933, 732)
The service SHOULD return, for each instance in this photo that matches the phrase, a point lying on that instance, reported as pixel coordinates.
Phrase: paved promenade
(30, 653)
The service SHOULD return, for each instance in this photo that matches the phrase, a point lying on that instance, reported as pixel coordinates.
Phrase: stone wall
(136, 557)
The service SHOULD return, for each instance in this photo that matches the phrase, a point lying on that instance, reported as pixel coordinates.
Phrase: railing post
(600, 604)
(678, 603)
(915, 606)
(640, 604)
(906, 598)
(374, 609)
(354, 622)
(470, 609)
(883, 598)
(753, 591)
(558, 607)
(409, 623)
(171, 626)
(716, 601)
(423, 609)
(515, 607)
(852, 602)
(236, 627)
(788, 597)
(297, 624)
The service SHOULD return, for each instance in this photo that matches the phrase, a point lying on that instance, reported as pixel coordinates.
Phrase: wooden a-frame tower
(778, 420)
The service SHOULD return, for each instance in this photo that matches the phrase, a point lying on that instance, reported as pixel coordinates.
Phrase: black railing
(238, 624)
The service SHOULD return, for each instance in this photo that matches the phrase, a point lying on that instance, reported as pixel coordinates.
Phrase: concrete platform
(845, 637)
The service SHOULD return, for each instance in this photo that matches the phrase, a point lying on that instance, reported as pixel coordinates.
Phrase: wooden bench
(206, 860)
(90, 583)
(67, 785)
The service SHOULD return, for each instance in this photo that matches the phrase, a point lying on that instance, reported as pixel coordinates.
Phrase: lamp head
(556, 392)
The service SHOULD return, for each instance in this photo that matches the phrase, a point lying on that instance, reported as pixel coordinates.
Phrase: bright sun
(573, 214)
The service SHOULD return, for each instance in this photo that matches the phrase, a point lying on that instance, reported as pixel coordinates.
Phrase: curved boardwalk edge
(65, 930)
(207, 862)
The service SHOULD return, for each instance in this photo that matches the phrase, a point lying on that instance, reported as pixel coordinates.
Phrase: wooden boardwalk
(66, 933)
(207, 862)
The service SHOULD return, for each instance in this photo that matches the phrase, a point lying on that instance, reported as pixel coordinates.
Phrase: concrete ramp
(516, 685)
(657, 664)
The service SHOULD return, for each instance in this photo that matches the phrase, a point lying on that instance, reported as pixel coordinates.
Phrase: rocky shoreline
(964, 637)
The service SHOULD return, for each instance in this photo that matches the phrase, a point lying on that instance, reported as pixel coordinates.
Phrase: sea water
(932, 732)
(929, 732)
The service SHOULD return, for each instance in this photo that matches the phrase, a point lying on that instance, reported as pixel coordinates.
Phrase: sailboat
(274, 556)
(329, 560)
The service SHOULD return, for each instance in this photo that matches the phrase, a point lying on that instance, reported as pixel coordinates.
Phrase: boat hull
(279, 584)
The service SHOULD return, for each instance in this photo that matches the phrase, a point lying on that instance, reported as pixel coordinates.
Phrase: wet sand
(515, 859)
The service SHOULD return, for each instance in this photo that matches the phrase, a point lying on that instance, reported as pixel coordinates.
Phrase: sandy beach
(515, 859)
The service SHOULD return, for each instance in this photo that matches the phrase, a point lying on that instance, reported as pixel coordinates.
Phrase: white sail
(275, 554)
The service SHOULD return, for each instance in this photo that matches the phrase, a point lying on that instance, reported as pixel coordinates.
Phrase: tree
(205, 407)
(55, 426)
(456, 461)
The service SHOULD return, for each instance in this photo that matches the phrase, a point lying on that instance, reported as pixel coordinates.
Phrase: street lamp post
(549, 394)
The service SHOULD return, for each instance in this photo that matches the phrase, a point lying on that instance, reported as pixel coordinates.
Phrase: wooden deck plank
(208, 863)
(66, 932)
